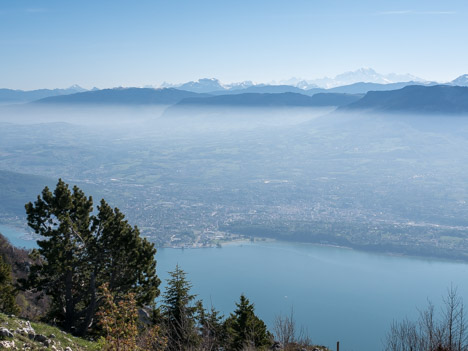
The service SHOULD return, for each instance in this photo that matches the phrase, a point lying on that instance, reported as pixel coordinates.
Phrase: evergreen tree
(211, 328)
(178, 310)
(7, 292)
(81, 252)
(245, 329)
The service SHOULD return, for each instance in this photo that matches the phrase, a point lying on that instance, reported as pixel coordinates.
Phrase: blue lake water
(336, 293)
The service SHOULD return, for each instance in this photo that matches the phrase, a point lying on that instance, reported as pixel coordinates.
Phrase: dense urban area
(375, 183)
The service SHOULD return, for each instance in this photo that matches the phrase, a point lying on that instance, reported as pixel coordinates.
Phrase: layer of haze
(386, 183)
(373, 182)
(121, 43)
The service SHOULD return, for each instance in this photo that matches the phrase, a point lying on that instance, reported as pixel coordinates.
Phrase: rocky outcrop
(25, 330)
(19, 334)
(7, 344)
(4, 332)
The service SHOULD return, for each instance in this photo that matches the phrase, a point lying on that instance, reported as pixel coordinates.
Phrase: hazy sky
(57, 43)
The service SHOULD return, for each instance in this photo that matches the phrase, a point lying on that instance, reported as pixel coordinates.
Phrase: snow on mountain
(461, 81)
(204, 85)
(240, 85)
(168, 85)
(303, 84)
(362, 75)
(76, 88)
(397, 78)
(366, 75)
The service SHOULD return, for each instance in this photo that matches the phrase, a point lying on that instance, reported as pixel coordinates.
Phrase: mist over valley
(194, 171)
(255, 179)
(233, 176)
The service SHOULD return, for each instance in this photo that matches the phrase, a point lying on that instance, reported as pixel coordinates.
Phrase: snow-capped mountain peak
(461, 81)
(76, 87)
(204, 85)
(366, 75)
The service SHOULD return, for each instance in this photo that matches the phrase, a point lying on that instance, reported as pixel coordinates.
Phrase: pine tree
(7, 291)
(245, 329)
(211, 328)
(81, 252)
(178, 310)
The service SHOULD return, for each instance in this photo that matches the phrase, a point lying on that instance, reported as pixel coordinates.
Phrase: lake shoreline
(17, 235)
(334, 284)
(318, 244)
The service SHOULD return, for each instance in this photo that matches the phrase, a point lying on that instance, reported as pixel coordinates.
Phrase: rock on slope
(20, 334)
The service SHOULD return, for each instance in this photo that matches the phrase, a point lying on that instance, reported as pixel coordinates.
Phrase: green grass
(61, 340)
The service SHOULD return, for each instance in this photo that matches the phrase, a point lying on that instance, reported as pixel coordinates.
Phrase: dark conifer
(245, 330)
(211, 328)
(179, 312)
(7, 291)
(81, 252)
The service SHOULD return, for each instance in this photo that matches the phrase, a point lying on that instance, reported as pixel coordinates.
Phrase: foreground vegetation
(444, 330)
(41, 336)
(98, 279)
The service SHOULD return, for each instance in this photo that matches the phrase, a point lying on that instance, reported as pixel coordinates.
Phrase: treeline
(180, 323)
(97, 279)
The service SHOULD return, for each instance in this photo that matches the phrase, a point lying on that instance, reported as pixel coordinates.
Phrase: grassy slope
(62, 340)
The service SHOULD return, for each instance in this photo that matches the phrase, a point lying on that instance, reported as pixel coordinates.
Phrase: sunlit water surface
(336, 293)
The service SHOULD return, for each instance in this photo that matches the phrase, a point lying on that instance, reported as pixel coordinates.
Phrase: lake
(336, 293)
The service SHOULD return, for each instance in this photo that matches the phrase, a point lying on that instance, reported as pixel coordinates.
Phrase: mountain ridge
(438, 99)
(121, 96)
(22, 96)
(272, 100)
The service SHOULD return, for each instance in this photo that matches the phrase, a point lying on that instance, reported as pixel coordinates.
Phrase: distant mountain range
(286, 99)
(204, 85)
(365, 75)
(262, 89)
(460, 81)
(410, 98)
(363, 87)
(214, 87)
(439, 99)
(123, 96)
(369, 93)
(173, 95)
(21, 96)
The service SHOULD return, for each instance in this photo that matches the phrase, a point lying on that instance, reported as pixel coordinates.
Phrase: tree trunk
(69, 303)
(91, 309)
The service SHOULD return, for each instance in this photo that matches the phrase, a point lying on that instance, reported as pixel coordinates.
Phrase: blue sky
(57, 43)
